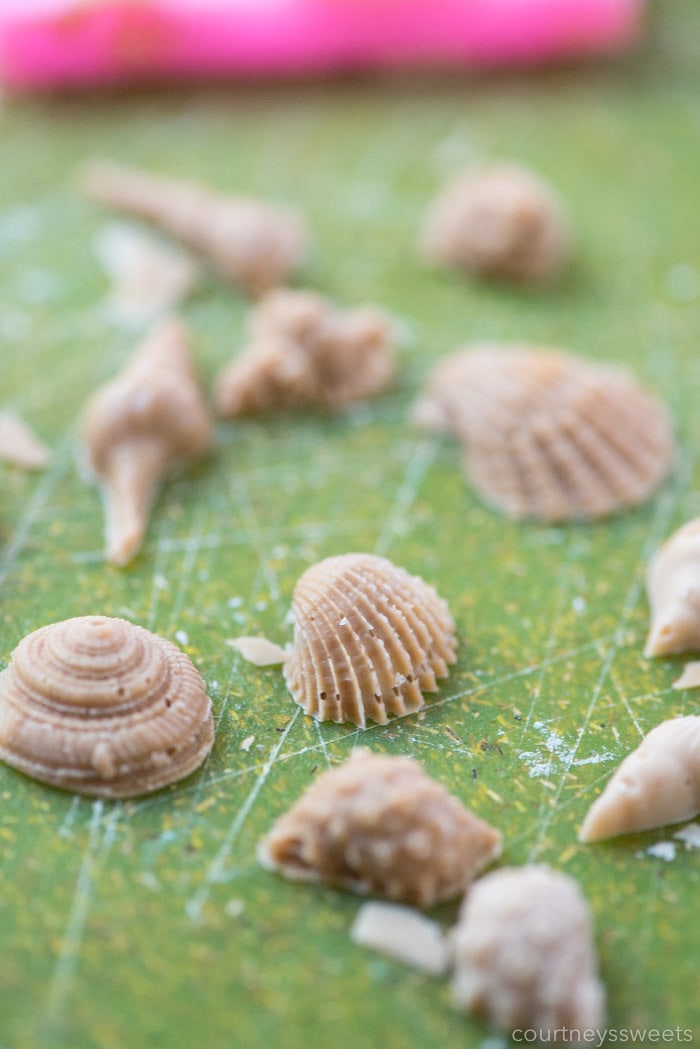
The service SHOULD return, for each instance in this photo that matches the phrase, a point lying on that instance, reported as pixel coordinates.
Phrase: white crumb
(690, 835)
(247, 743)
(403, 934)
(182, 637)
(19, 444)
(663, 850)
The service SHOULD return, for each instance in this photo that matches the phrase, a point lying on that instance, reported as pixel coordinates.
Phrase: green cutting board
(149, 922)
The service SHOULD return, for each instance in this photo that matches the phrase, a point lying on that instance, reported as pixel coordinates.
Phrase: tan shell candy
(549, 435)
(500, 221)
(369, 639)
(673, 587)
(102, 707)
(380, 825)
(305, 352)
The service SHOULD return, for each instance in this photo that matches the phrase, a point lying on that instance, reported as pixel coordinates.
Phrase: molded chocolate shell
(673, 587)
(102, 707)
(523, 954)
(656, 785)
(500, 221)
(548, 435)
(369, 639)
(305, 352)
(380, 825)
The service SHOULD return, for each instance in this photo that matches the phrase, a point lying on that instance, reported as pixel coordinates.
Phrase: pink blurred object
(47, 43)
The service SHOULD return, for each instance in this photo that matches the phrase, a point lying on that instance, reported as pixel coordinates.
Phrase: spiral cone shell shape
(673, 588)
(101, 707)
(381, 825)
(369, 639)
(656, 785)
(548, 435)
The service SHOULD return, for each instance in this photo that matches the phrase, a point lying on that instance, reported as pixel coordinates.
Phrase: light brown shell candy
(380, 825)
(524, 957)
(499, 221)
(369, 639)
(252, 243)
(673, 588)
(305, 352)
(656, 785)
(548, 435)
(101, 707)
(139, 427)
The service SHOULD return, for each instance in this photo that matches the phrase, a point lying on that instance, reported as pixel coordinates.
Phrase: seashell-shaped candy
(673, 587)
(369, 639)
(305, 352)
(102, 707)
(139, 427)
(381, 826)
(524, 957)
(548, 435)
(250, 242)
(656, 785)
(501, 221)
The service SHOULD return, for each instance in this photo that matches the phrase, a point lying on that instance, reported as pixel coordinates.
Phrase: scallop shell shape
(102, 707)
(673, 588)
(656, 785)
(548, 435)
(524, 956)
(303, 351)
(381, 825)
(369, 639)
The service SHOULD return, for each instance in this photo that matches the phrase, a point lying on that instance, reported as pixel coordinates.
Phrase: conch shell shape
(305, 352)
(548, 435)
(369, 639)
(101, 707)
(501, 221)
(673, 587)
(524, 957)
(656, 785)
(380, 825)
(253, 244)
(141, 426)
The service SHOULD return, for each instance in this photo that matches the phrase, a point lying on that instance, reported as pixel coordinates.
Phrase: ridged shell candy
(549, 435)
(102, 707)
(369, 639)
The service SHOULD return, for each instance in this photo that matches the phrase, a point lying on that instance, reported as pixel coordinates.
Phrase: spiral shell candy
(549, 435)
(369, 639)
(102, 707)
(381, 825)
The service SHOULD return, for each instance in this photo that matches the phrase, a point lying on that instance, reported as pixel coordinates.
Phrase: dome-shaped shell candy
(549, 435)
(369, 639)
(102, 707)
(673, 588)
(381, 825)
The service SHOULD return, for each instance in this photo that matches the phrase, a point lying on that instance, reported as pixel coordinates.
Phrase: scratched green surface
(149, 923)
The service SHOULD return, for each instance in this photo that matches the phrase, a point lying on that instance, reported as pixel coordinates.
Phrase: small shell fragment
(690, 678)
(258, 650)
(401, 933)
(524, 957)
(102, 707)
(253, 244)
(656, 785)
(369, 639)
(305, 352)
(548, 435)
(501, 221)
(381, 826)
(673, 588)
(140, 427)
(19, 444)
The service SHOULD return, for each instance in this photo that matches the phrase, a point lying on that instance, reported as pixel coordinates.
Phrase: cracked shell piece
(369, 639)
(656, 785)
(305, 352)
(138, 428)
(548, 435)
(101, 707)
(253, 244)
(380, 825)
(524, 956)
(19, 444)
(501, 221)
(673, 588)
